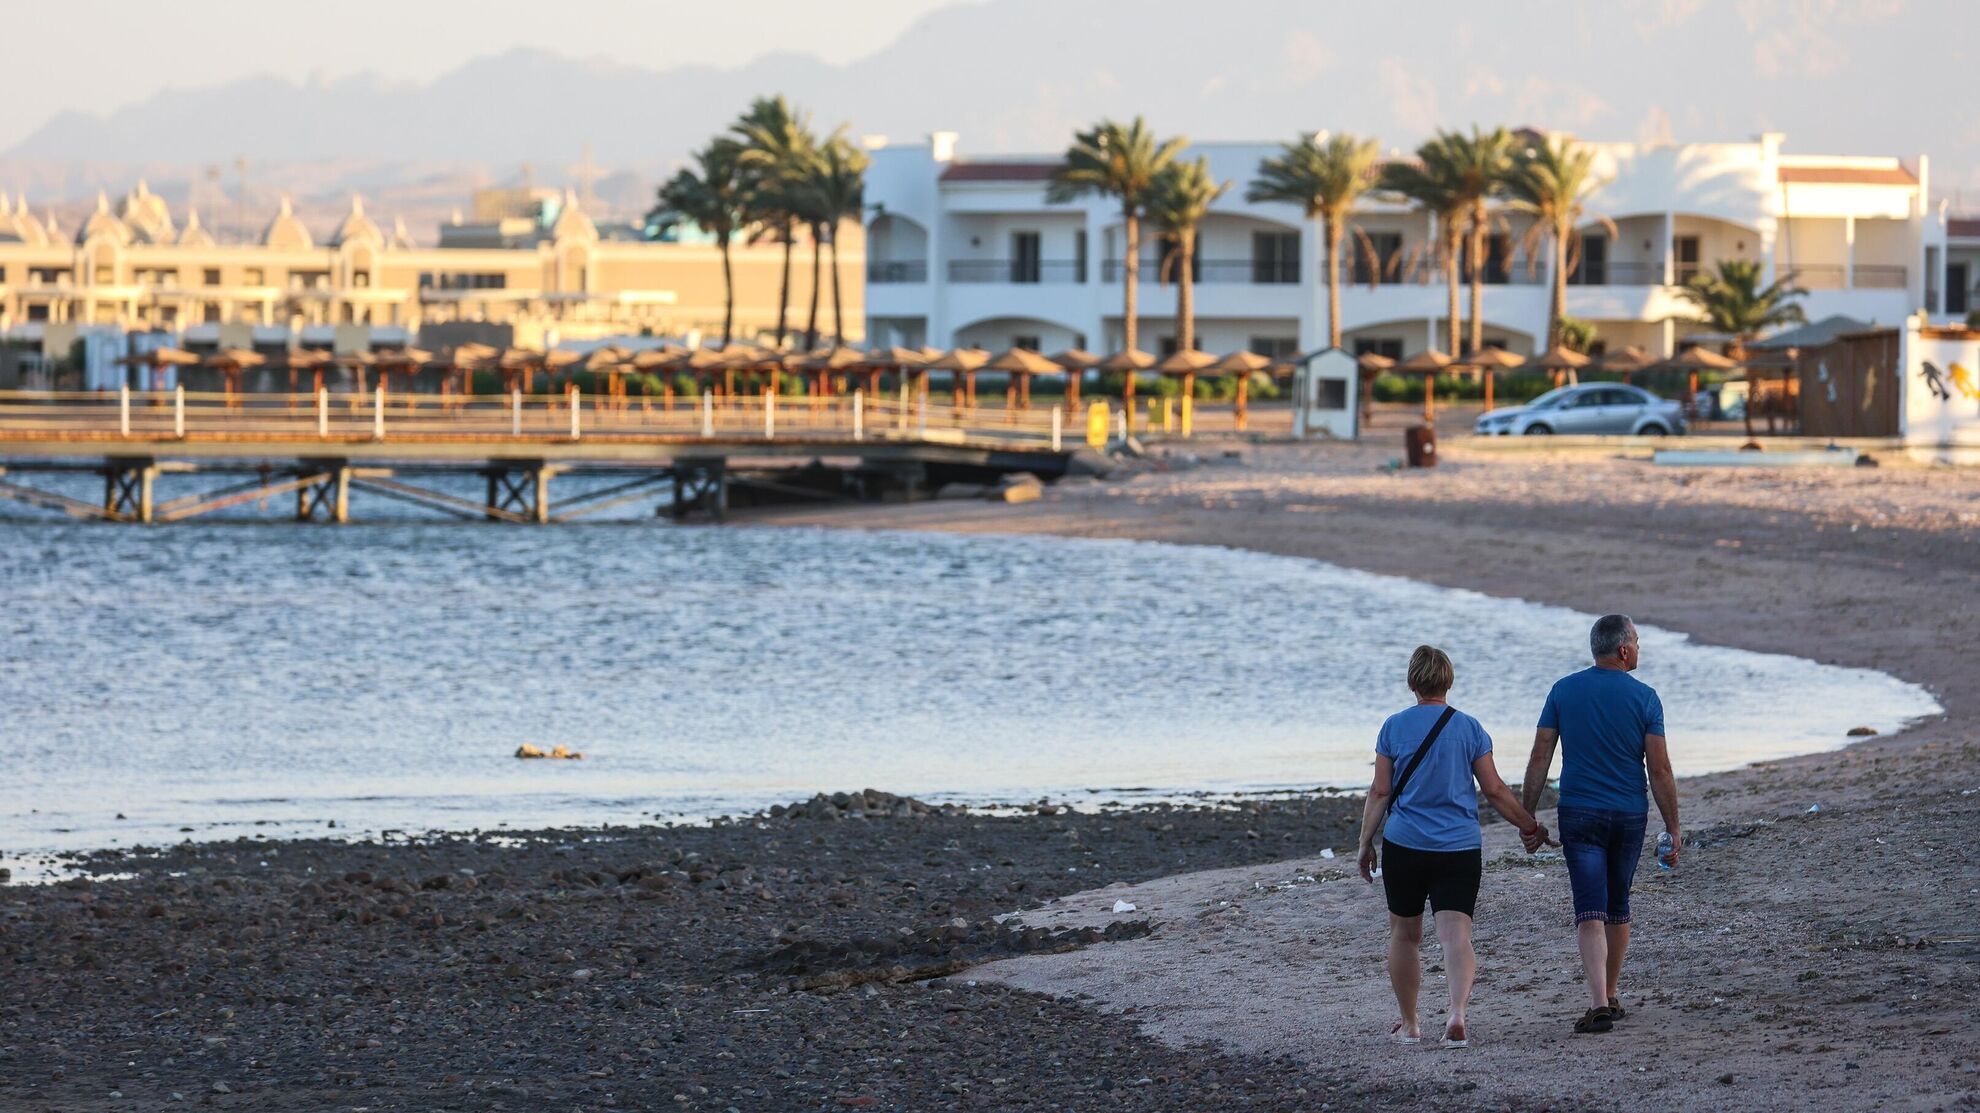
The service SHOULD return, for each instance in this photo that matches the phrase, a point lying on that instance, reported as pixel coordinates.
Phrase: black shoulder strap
(1416, 759)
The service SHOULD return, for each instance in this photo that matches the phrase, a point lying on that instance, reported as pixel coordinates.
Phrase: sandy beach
(1800, 958)
(1817, 949)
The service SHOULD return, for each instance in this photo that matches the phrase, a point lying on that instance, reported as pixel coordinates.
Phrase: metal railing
(1017, 271)
(1256, 272)
(1621, 273)
(1814, 276)
(889, 272)
(1878, 276)
(133, 418)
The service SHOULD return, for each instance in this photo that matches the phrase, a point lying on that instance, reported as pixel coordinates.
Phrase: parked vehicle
(1588, 409)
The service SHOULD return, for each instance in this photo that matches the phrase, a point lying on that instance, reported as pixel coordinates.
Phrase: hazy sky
(105, 53)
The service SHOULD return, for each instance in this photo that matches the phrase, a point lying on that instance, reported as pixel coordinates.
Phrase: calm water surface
(260, 678)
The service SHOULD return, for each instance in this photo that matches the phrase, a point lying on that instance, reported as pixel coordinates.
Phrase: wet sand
(1798, 959)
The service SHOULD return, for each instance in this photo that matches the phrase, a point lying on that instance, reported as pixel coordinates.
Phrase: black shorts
(1448, 878)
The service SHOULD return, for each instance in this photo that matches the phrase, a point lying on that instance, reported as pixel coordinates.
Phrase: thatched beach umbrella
(1626, 361)
(1699, 358)
(1186, 363)
(962, 365)
(1243, 364)
(1490, 361)
(408, 361)
(306, 359)
(1563, 362)
(230, 362)
(821, 366)
(1076, 361)
(1428, 363)
(1370, 365)
(1132, 362)
(1020, 364)
(157, 359)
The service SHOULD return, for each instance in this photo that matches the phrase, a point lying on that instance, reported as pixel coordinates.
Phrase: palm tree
(1184, 192)
(1549, 183)
(1731, 300)
(1479, 165)
(1324, 178)
(1430, 185)
(1120, 161)
(834, 194)
(779, 149)
(715, 199)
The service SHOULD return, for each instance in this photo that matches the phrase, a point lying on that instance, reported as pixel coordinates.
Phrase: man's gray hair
(1610, 634)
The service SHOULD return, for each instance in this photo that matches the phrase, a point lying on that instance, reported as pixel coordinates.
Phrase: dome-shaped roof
(19, 225)
(356, 226)
(286, 232)
(103, 222)
(194, 235)
(572, 224)
(145, 214)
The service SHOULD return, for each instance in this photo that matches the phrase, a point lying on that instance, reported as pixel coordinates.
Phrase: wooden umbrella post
(1430, 398)
(1490, 377)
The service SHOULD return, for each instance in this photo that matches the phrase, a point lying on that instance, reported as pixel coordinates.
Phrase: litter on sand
(1123, 906)
(1327, 853)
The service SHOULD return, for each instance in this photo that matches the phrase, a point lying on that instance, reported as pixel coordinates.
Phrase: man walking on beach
(1611, 729)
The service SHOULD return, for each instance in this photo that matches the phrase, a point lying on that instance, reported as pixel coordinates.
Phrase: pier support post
(518, 490)
(127, 486)
(327, 499)
(700, 483)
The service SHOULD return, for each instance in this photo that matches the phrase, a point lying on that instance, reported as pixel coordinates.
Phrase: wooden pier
(323, 449)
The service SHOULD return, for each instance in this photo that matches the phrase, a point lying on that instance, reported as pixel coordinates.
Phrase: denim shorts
(1602, 848)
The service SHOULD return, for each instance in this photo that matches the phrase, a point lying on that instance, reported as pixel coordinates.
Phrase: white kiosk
(1325, 396)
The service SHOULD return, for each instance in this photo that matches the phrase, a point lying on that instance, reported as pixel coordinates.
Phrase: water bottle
(1664, 850)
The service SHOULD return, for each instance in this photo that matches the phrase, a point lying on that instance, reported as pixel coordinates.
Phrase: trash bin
(1420, 446)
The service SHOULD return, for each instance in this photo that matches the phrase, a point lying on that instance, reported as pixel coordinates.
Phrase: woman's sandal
(1397, 1034)
(1455, 1037)
(1593, 1021)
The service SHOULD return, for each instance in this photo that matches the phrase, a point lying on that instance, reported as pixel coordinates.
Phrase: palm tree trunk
(1186, 295)
(1129, 279)
(1453, 322)
(811, 322)
(838, 312)
(1476, 273)
(728, 295)
(1557, 297)
(1331, 233)
(784, 291)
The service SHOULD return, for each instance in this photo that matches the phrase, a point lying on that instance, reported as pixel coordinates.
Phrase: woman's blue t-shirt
(1438, 808)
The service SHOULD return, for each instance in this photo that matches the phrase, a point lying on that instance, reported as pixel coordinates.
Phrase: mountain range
(1838, 76)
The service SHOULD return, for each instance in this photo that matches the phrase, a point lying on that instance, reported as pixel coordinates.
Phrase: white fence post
(179, 412)
(1058, 427)
(124, 409)
(1120, 425)
(859, 415)
(322, 412)
(577, 407)
(904, 400)
(378, 414)
(707, 415)
(515, 412)
(770, 415)
(923, 417)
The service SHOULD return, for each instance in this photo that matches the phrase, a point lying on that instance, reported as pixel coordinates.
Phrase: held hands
(1368, 863)
(1535, 837)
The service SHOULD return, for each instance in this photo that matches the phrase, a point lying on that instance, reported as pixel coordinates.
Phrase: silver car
(1588, 409)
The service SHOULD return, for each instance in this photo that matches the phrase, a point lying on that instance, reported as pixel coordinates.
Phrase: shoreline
(1798, 957)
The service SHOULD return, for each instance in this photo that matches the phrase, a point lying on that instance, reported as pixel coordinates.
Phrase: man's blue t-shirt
(1602, 715)
(1438, 808)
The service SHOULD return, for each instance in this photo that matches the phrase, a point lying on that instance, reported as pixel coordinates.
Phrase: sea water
(206, 680)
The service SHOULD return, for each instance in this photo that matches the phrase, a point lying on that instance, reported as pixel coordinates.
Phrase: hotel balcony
(893, 272)
(1017, 271)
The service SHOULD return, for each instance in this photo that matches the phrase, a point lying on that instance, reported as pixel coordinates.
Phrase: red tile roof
(999, 171)
(1965, 227)
(1848, 175)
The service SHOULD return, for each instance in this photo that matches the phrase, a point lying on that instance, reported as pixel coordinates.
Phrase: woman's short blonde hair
(1430, 671)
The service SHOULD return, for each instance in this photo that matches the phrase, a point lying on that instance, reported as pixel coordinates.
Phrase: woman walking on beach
(1424, 806)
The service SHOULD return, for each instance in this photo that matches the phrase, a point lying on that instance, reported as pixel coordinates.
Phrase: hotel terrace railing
(136, 418)
(1617, 274)
(888, 272)
(1023, 272)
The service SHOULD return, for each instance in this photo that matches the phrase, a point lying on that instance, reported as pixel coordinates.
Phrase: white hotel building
(967, 251)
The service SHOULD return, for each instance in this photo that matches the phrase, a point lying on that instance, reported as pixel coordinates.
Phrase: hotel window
(1025, 257)
(1276, 347)
(1079, 255)
(1684, 253)
(1383, 265)
(105, 275)
(212, 276)
(1379, 346)
(1593, 267)
(211, 314)
(361, 278)
(1028, 343)
(1168, 252)
(253, 277)
(3, 274)
(1275, 258)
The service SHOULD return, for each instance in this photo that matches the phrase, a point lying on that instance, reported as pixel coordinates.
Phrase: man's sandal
(1593, 1021)
(1615, 1008)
